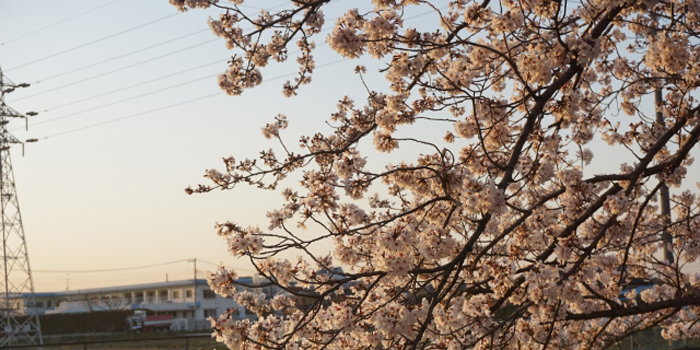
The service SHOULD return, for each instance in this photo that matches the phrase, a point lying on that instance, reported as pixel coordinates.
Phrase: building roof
(132, 287)
(124, 288)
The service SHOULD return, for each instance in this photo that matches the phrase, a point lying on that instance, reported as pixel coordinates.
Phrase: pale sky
(112, 196)
(100, 197)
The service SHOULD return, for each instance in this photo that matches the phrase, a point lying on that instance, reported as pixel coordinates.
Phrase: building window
(150, 297)
(208, 294)
(48, 303)
(210, 313)
(188, 293)
(39, 304)
(176, 294)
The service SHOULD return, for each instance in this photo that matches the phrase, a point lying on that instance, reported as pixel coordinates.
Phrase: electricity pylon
(17, 326)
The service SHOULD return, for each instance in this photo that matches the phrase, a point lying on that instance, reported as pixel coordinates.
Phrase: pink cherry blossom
(514, 228)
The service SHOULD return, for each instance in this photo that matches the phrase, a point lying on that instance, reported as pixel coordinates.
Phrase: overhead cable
(219, 265)
(124, 100)
(169, 106)
(180, 103)
(59, 22)
(121, 56)
(118, 69)
(94, 41)
(132, 267)
(132, 86)
(113, 35)
(156, 91)
(131, 116)
(130, 66)
(112, 270)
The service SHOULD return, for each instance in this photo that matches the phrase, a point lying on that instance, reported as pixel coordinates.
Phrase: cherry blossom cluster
(302, 21)
(512, 228)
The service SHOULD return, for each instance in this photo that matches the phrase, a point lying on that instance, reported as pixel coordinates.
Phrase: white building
(180, 299)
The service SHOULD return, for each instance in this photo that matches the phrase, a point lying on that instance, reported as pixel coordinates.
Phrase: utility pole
(195, 291)
(18, 285)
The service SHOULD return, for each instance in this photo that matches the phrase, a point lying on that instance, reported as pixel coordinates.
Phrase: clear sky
(130, 115)
(112, 196)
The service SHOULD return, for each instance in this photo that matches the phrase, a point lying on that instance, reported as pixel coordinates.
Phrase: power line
(124, 100)
(132, 267)
(152, 92)
(59, 22)
(253, 7)
(121, 56)
(132, 86)
(126, 88)
(129, 87)
(149, 60)
(169, 106)
(219, 265)
(177, 104)
(118, 69)
(131, 116)
(130, 66)
(94, 41)
(116, 34)
(208, 262)
(112, 270)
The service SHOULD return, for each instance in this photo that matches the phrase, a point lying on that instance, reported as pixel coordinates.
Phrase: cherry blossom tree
(502, 234)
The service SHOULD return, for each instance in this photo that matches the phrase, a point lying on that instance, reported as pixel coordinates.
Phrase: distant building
(176, 298)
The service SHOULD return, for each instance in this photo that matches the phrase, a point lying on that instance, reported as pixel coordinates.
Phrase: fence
(187, 342)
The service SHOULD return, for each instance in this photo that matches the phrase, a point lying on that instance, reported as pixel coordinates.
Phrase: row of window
(39, 304)
(162, 294)
(138, 297)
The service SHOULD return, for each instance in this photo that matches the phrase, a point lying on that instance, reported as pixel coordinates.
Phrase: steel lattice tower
(17, 286)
